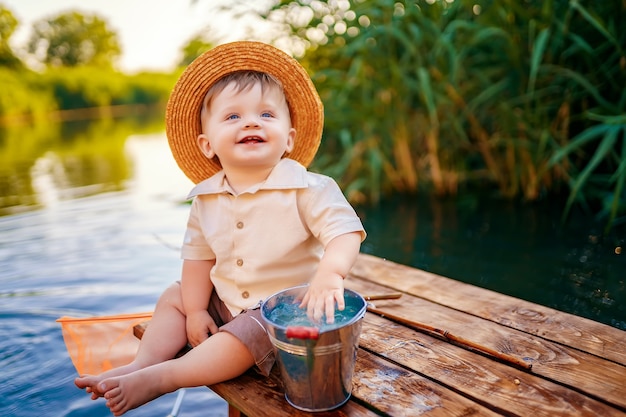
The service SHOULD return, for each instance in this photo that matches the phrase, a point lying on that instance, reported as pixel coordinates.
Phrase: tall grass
(523, 97)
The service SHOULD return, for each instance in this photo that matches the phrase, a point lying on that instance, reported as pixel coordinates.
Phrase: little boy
(243, 121)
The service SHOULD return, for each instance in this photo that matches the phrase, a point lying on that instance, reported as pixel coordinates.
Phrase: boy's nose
(252, 122)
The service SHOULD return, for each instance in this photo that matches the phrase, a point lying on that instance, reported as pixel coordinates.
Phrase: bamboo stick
(391, 296)
(449, 336)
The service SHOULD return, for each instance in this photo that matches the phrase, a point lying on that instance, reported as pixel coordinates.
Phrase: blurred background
(480, 140)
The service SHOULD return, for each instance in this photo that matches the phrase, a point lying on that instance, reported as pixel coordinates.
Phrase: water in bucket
(290, 314)
(316, 361)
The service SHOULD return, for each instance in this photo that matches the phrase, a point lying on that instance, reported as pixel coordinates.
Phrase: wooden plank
(385, 387)
(259, 396)
(494, 384)
(581, 371)
(583, 334)
(255, 395)
(578, 365)
(233, 412)
(139, 330)
(399, 392)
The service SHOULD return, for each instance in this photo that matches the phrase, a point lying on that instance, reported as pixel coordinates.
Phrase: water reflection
(43, 164)
(516, 249)
(108, 253)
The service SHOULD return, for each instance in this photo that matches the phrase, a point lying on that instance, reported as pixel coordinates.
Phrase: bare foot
(132, 390)
(90, 382)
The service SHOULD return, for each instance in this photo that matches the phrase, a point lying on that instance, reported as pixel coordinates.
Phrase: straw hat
(182, 116)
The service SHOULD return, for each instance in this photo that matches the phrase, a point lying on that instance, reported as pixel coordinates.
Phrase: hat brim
(182, 115)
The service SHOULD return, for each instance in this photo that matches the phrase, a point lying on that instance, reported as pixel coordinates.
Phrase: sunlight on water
(105, 254)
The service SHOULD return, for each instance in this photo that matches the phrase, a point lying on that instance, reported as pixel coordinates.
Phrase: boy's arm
(326, 287)
(196, 289)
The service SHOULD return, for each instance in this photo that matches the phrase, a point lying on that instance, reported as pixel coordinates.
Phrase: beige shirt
(269, 237)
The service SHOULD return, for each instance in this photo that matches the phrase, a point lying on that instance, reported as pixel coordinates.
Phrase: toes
(113, 394)
(81, 383)
(117, 408)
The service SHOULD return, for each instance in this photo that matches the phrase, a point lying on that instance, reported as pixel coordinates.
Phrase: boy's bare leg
(163, 338)
(219, 358)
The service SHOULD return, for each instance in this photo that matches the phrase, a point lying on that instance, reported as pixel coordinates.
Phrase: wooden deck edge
(574, 368)
(581, 333)
(485, 379)
(254, 394)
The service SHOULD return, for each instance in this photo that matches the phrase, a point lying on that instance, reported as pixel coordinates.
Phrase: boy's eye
(232, 117)
(266, 114)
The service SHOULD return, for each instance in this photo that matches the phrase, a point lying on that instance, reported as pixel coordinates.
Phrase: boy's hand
(324, 291)
(326, 287)
(199, 325)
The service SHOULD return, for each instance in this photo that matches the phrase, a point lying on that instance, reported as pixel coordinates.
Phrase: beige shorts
(247, 326)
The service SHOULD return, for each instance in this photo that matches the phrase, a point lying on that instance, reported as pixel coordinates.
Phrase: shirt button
(239, 262)
(239, 225)
(245, 294)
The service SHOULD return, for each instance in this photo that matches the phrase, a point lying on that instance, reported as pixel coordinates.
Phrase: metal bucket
(316, 363)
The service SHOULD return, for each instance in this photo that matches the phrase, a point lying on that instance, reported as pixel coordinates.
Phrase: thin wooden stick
(392, 296)
(449, 336)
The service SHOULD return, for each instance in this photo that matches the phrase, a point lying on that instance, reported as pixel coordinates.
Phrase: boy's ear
(291, 139)
(205, 146)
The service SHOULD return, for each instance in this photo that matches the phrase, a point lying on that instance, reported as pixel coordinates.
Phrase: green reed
(523, 97)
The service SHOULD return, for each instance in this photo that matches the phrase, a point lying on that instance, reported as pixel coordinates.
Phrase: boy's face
(247, 129)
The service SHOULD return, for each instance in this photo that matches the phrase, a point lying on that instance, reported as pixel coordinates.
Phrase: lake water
(105, 254)
(114, 252)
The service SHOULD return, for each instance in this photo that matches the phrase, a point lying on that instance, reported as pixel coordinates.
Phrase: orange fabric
(97, 344)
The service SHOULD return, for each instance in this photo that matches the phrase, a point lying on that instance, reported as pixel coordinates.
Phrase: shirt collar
(287, 174)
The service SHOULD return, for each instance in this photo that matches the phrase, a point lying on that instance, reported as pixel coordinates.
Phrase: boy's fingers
(305, 301)
(318, 311)
(341, 302)
(315, 309)
(330, 309)
(212, 328)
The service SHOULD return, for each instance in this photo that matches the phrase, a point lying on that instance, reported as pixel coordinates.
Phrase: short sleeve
(326, 211)
(195, 246)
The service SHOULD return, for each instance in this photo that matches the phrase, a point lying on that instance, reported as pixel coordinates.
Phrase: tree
(8, 23)
(193, 49)
(72, 39)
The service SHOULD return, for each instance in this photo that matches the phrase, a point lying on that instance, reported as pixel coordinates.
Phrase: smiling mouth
(252, 139)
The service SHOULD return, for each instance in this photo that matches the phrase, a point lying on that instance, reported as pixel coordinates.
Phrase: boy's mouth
(252, 139)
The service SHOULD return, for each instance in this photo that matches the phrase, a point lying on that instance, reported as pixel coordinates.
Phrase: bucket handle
(302, 332)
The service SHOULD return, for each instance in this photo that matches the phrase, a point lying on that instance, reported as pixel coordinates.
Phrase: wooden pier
(446, 348)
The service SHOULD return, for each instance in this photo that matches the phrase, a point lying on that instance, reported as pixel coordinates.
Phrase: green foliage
(82, 87)
(73, 39)
(148, 87)
(193, 49)
(24, 95)
(522, 97)
(78, 92)
(79, 81)
(8, 24)
(40, 158)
